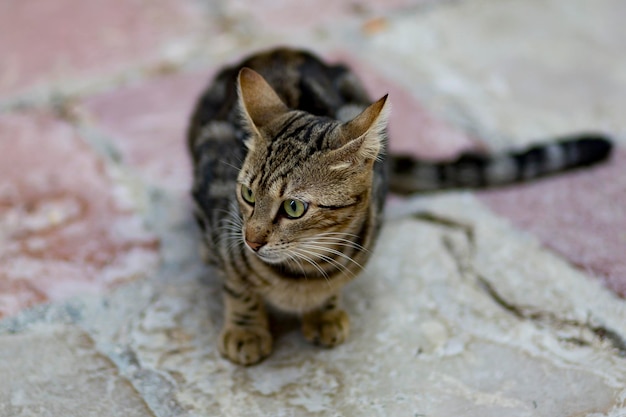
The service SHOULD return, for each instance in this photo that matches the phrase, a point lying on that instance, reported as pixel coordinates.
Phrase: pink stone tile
(63, 227)
(412, 128)
(43, 41)
(580, 215)
(147, 123)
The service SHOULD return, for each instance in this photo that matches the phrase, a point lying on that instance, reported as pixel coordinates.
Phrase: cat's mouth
(270, 257)
(276, 256)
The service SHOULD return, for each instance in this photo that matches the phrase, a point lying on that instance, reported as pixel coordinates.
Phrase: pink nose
(255, 246)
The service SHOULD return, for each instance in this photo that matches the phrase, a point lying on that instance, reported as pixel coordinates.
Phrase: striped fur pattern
(474, 170)
(276, 133)
(290, 178)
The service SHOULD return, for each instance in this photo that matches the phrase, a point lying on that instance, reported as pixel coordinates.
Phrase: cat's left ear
(259, 102)
(363, 137)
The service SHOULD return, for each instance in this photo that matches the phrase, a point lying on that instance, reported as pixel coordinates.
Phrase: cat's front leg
(327, 325)
(245, 337)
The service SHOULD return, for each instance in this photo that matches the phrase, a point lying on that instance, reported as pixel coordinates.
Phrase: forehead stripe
(276, 144)
(322, 136)
(267, 172)
(288, 124)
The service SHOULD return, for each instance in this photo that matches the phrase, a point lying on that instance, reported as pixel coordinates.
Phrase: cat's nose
(255, 246)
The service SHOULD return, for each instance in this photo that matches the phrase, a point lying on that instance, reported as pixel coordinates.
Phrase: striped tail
(473, 170)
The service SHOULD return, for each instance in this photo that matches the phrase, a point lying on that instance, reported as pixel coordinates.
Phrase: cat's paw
(245, 345)
(328, 328)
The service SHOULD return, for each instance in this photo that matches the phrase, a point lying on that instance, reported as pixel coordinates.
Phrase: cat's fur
(284, 126)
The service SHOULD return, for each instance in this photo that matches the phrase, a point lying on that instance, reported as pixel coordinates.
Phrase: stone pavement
(512, 305)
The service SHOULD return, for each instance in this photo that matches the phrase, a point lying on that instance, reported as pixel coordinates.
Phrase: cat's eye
(247, 194)
(294, 209)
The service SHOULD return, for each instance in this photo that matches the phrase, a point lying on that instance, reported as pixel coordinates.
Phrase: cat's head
(305, 184)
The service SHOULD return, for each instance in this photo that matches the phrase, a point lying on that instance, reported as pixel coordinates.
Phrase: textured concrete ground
(512, 305)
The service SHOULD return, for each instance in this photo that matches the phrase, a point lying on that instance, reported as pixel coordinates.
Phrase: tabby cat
(290, 179)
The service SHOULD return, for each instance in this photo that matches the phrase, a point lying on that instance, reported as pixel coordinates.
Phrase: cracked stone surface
(55, 371)
(500, 303)
(442, 325)
(512, 77)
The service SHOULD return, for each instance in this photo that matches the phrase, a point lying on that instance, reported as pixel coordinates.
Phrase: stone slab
(288, 18)
(59, 41)
(56, 371)
(511, 75)
(68, 223)
(146, 125)
(513, 71)
(581, 216)
(458, 313)
(440, 327)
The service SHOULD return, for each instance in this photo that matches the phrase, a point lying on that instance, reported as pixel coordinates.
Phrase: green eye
(294, 208)
(247, 194)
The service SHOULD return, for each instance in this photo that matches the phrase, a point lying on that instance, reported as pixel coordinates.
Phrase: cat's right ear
(259, 102)
(363, 138)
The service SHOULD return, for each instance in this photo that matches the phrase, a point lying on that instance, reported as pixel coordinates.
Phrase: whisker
(230, 165)
(334, 252)
(338, 237)
(312, 262)
(343, 234)
(340, 267)
(335, 241)
(230, 233)
(231, 242)
(293, 258)
(230, 228)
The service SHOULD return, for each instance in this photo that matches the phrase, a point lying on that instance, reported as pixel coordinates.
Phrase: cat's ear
(259, 102)
(363, 137)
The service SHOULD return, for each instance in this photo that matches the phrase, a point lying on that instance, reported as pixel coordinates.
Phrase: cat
(290, 180)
